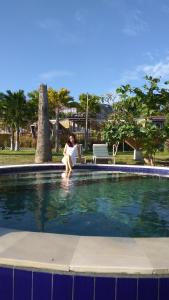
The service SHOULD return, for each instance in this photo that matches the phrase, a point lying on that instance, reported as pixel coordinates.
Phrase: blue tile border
(126, 289)
(6, 283)
(105, 288)
(42, 286)
(16, 284)
(148, 289)
(83, 288)
(118, 168)
(62, 287)
(164, 289)
(22, 285)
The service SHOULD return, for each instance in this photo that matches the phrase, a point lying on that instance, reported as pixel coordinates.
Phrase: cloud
(49, 24)
(159, 69)
(165, 9)
(80, 16)
(134, 24)
(150, 55)
(60, 33)
(130, 75)
(49, 75)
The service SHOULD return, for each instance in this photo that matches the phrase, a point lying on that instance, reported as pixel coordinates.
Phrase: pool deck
(98, 255)
(80, 254)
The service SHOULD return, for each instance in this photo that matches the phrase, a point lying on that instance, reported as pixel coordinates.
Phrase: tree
(119, 128)
(6, 114)
(14, 113)
(153, 138)
(20, 114)
(131, 120)
(43, 149)
(90, 105)
(32, 105)
(94, 102)
(58, 100)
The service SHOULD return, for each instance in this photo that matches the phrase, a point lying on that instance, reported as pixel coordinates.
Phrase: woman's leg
(66, 163)
(69, 163)
(67, 167)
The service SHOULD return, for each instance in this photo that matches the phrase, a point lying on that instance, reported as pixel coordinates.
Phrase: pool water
(95, 203)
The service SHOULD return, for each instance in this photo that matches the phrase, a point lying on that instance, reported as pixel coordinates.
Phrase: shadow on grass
(15, 153)
(134, 162)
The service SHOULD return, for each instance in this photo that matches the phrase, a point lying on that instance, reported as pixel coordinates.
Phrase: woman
(71, 152)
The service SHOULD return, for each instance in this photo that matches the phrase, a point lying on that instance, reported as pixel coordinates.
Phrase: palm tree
(20, 114)
(13, 113)
(58, 100)
(6, 114)
(43, 149)
(32, 105)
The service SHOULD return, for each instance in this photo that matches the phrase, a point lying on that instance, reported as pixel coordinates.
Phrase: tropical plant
(93, 103)
(32, 105)
(14, 113)
(58, 100)
(135, 104)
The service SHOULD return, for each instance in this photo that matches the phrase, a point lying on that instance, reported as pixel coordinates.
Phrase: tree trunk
(149, 160)
(17, 140)
(86, 124)
(12, 140)
(43, 149)
(57, 131)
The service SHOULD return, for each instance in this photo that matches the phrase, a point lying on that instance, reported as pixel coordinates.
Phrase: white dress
(72, 151)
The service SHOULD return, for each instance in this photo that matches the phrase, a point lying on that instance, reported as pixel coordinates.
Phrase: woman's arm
(65, 149)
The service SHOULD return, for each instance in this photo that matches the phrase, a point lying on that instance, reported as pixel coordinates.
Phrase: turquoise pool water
(95, 203)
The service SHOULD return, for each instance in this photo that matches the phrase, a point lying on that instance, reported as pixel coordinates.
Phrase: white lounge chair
(100, 151)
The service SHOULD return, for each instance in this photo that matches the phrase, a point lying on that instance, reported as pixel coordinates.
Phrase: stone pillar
(43, 149)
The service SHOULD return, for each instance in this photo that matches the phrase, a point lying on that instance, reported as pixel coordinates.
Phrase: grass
(22, 157)
(26, 157)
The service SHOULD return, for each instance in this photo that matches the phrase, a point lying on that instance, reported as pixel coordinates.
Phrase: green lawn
(26, 157)
(21, 157)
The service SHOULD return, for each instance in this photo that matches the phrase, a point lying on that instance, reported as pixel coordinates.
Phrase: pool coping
(83, 254)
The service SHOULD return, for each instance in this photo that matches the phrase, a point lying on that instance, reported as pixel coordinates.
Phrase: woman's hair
(69, 142)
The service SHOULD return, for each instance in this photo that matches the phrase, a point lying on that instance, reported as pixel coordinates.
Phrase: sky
(89, 46)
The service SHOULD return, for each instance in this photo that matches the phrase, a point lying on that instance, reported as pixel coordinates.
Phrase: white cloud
(159, 69)
(60, 33)
(130, 75)
(80, 16)
(49, 75)
(165, 8)
(150, 55)
(49, 24)
(135, 24)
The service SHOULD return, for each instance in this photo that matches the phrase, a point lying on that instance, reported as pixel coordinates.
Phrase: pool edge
(144, 260)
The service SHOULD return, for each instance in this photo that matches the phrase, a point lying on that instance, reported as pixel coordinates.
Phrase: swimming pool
(49, 266)
(88, 202)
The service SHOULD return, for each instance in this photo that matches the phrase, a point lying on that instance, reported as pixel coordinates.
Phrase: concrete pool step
(99, 255)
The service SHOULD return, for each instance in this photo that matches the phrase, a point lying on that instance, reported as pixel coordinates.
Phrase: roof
(158, 118)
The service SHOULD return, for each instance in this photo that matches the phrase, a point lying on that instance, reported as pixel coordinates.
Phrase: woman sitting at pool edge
(71, 152)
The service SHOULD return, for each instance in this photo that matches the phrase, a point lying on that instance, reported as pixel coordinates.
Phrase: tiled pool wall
(163, 171)
(129, 169)
(18, 284)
